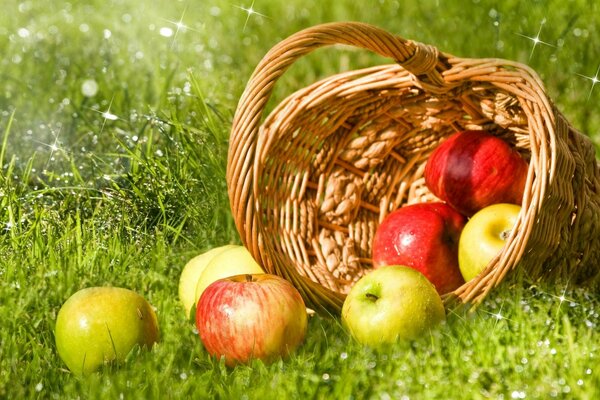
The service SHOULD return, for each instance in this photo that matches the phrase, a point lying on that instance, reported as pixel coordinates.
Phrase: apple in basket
(474, 169)
(391, 303)
(98, 325)
(245, 317)
(484, 236)
(423, 236)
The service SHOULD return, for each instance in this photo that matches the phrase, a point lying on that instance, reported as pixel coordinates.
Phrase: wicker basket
(309, 184)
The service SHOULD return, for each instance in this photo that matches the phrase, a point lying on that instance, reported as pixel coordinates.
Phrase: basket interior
(334, 158)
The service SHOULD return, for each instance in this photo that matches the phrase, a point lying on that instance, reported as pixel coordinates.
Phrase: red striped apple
(474, 169)
(235, 260)
(422, 236)
(251, 316)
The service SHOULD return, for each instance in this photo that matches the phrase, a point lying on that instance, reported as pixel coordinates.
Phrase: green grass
(127, 200)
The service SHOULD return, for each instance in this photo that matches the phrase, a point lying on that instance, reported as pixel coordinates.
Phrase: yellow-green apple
(230, 262)
(484, 236)
(190, 275)
(423, 236)
(247, 317)
(391, 303)
(474, 169)
(98, 325)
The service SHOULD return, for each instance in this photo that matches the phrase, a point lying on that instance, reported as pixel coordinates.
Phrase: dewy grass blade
(5, 138)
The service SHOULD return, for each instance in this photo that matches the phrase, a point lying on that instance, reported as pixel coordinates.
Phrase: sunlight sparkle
(54, 146)
(110, 116)
(179, 26)
(498, 316)
(562, 298)
(594, 80)
(536, 39)
(107, 115)
(250, 11)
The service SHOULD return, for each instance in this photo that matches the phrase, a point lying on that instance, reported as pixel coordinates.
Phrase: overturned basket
(309, 185)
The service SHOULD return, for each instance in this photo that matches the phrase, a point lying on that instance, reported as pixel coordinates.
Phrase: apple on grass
(473, 169)
(191, 273)
(245, 317)
(484, 236)
(98, 325)
(233, 261)
(391, 303)
(423, 236)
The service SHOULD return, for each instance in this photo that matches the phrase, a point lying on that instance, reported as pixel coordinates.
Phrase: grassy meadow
(115, 118)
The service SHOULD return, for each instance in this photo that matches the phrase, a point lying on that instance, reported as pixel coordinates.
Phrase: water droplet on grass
(89, 88)
(166, 31)
(23, 32)
(24, 7)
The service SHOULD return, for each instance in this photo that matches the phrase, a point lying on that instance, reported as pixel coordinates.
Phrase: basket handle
(423, 61)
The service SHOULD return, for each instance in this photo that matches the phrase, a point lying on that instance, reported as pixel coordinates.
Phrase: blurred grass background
(115, 118)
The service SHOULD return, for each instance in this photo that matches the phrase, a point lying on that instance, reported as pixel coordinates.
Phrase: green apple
(190, 274)
(98, 325)
(484, 236)
(234, 261)
(391, 303)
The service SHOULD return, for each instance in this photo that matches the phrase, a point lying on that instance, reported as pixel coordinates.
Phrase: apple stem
(372, 297)
(505, 234)
(248, 278)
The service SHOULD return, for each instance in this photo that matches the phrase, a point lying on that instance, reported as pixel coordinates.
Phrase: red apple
(251, 316)
(425, 237)
(474, 169)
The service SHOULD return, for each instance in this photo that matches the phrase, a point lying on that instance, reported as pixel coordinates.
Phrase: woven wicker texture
(309, 184)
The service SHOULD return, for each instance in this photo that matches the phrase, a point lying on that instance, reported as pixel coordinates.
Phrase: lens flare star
(497, 316)
(179, 27)
(250, 11)
(594, 80)
(54, 147)
(536, 39)
(107, 115)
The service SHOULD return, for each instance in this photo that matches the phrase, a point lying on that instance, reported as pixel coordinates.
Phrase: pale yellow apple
(190, 274)
(484, 236)
(235, 261)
